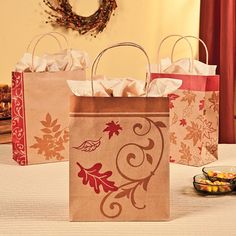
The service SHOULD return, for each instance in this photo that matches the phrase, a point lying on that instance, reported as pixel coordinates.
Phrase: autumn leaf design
(172, 97)
(194, 132)
(89, 145)
(53, 139)
(95, 178)
(173, 138)
(174, 119)
(201, 104)
(182, 122)
(189, 97)
(112, 128)
(214, 100)
(207, 128)
(185, 151)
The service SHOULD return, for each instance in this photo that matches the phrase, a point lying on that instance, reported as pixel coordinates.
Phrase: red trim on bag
(19, 145)
(193, 82)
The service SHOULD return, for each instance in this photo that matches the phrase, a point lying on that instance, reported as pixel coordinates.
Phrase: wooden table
(34, 201)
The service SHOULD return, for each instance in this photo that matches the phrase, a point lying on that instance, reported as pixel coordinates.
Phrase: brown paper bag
(40, 107)
(119, 167)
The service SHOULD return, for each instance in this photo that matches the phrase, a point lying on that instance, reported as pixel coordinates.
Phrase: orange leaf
(46, 130)
(54, 123)
(57, 134)
(44, 123)
(56, 128)
(48, 118)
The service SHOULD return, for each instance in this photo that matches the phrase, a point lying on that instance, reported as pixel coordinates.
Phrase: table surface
(34, 201)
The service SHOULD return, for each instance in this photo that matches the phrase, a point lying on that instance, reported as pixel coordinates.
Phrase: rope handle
(40, 37)
(190, 36)
(122, 44)
(191, 64)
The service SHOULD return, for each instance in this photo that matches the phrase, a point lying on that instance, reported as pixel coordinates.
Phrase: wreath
(61, 13)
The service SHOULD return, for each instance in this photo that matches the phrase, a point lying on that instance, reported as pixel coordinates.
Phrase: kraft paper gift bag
(119, 149)
(40, 104)
(194, 109)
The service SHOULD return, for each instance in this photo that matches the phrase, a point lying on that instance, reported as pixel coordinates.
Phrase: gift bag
(119, 150)
(194, 109)
(40, 105)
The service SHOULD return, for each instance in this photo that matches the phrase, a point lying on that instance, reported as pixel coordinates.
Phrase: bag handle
(51, 34)
(159, 69)
(123, 44)
(191, 36)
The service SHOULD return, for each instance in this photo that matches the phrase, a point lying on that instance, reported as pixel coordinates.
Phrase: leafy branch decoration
(61, 13)
(53, 139)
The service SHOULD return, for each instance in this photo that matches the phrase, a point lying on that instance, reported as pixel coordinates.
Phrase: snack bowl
(220, 173)
(203, 185)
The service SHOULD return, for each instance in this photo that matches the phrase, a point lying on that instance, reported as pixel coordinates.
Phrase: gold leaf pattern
(188, 97)
(53, 139)
(173, 138)
(214, 99)
(194, 133)
(185, 151)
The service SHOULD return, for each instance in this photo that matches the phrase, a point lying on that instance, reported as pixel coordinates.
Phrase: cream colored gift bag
(40, 104)
(119, 148)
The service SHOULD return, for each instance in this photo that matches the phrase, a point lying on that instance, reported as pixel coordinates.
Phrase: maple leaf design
(89, 145)
(172, 97)
(112, 128)
(194, 133)
(215, 101)
(207, 129)
(201, 105)
(182, 122)
(188, 97)
(95, 178)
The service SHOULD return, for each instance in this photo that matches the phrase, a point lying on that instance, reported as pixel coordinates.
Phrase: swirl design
(18, 120)
(113, 208)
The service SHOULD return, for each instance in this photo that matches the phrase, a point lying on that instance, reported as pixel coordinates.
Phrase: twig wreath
(61, 13)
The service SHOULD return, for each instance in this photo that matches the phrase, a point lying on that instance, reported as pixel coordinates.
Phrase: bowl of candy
(220, 173)
(203, 185)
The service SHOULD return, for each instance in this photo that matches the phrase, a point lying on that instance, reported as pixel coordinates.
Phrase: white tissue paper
(182, 66)
(124, 87)
(66, 60)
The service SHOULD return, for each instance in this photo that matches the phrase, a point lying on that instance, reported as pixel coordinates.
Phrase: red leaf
(171, 105)
(171, 160)
(89, 145)
(112, 128)
(95, 179)
(172, 96)
(201, 105)
(182, 122)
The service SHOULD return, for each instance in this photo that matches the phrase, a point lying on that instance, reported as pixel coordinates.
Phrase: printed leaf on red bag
(112, 128)
(189, 97)
(182, 122)
(89, 145)
(201, 105)
(95, 178)
(172, 96)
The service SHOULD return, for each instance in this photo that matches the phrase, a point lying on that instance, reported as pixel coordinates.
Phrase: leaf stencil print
(89, 145)
(112, 128)
(53, 138)
(95, 178)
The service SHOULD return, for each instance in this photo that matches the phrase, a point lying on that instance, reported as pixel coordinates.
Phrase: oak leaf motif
(95, 178)
(214, 100)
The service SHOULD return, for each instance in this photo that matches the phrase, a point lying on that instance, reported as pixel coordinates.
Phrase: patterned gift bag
(40, 107)
(119, 164)
(194, 114)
